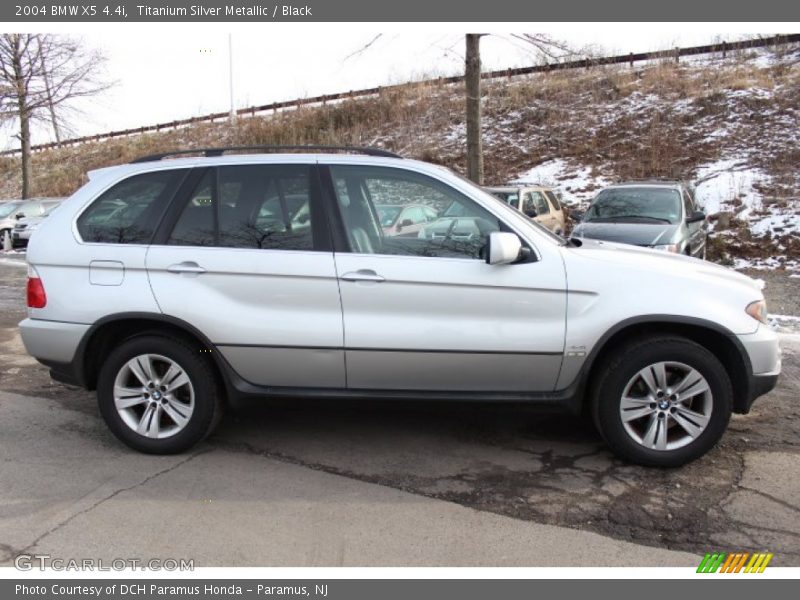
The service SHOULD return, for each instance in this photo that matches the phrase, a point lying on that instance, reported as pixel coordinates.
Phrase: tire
(695, 419)
(181, 407)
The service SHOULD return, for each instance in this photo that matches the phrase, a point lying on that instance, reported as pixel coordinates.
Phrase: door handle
(186, 267)
(363, 275)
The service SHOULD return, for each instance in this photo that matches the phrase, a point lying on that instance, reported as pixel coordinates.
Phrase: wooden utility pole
(473, 84)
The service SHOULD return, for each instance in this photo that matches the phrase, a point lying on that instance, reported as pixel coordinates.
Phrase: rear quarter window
(129, 212)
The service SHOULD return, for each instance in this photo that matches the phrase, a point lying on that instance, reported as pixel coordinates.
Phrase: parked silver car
(662, 215)
(13, 210)
(175, 286)
(25, 226)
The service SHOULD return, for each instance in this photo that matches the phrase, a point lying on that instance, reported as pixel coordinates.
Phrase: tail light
(36, 296)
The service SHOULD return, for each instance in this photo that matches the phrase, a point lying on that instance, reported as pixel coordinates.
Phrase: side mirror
(503, 248)
(19, 216)
(696, 216)
(530, 212)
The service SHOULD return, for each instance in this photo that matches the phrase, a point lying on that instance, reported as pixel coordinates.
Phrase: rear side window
(249, 206)
(129, 212)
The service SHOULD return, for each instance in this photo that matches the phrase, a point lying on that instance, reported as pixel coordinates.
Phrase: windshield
(8, 207)
(388, 214)
(635, 204)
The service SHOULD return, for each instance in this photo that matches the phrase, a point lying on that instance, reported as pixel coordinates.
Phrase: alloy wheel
(666, 406)
(154, 396)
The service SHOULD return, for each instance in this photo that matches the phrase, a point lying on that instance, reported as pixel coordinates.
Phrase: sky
(164, 72)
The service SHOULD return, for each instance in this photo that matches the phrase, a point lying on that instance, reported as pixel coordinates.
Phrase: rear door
(427, 312)
(245, 257)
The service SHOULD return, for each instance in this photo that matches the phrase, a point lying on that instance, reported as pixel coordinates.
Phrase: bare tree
(546, 49)
(40, 75)
(472, 78)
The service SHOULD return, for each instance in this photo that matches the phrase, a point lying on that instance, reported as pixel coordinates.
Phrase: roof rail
(210, 152)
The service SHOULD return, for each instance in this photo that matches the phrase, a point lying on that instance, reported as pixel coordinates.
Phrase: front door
(427, 312)
(696, 230)
(244, 260)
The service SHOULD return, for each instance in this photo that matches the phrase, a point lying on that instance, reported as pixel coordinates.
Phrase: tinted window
(249, 206)
(129, 212)
(195, 226)
(460, 232)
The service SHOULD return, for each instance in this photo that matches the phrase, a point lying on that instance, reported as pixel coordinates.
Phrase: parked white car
(203, 286)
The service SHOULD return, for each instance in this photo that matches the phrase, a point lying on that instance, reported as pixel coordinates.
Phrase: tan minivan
(537, 202)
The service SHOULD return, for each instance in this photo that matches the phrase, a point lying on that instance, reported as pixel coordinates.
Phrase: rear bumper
(54, 344)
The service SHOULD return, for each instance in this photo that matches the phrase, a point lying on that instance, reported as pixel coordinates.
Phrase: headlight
(667, 248)
(757, 310)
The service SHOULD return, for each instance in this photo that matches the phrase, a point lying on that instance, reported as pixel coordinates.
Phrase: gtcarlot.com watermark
(42, 562)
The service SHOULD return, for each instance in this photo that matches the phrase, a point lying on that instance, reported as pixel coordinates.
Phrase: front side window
(553, 200)
(539, 203)
(454, 225)
(129, 212)
(249, 206)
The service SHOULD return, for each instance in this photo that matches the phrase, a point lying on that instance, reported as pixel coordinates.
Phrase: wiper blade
(618, 217)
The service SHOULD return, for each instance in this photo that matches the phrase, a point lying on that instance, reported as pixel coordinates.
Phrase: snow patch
(578, 182)
(721, 182)
(13, 263)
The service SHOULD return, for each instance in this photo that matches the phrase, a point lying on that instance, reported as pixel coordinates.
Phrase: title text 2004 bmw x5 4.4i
(174, 285)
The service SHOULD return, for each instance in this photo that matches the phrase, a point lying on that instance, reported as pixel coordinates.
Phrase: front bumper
(764, 354)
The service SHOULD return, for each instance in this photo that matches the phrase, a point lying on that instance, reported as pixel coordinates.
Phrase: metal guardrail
(631, 58)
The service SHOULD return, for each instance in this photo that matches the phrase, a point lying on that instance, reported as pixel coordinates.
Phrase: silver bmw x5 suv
(181, 283)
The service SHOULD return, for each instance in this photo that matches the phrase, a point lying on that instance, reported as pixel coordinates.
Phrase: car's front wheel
(158, 395)
(662, 401)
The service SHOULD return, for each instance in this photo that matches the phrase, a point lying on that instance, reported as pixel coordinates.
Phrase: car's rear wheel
(662, 401)
(158, 395)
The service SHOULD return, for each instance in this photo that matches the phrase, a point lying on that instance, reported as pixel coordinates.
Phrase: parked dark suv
(662, 215)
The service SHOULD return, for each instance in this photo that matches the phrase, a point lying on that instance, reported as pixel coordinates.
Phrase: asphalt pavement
(310, 483)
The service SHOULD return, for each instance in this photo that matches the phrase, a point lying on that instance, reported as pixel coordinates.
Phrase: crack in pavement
(8, 552)
(771, 498)
(115, 493)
